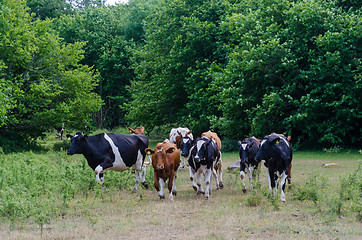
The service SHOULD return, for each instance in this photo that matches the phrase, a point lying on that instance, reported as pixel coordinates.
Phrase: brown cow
(165, 162)
(218, 166)
(212, 135)
(138, 130)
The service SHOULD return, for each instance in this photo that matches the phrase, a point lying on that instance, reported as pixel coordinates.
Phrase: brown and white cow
(176, 135)
(218, 166)
(165, 162)
(138, 130)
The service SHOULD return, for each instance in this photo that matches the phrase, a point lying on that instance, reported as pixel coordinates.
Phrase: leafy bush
(312, 190)
(350, 194)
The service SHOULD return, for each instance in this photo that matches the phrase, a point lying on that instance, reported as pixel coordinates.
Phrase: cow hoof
(200, 192)
(134, 190)
(145, 185)
(195, 188)
(174, 193)
(221, 185)
(206, 197)
(161, 197)
(244, 190)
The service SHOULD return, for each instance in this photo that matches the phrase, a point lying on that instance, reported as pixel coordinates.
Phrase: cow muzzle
(160, 167)
(98, 169)
(197, 159)
(184, 154)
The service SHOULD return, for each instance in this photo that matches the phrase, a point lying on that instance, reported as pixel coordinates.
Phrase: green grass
(53, 195)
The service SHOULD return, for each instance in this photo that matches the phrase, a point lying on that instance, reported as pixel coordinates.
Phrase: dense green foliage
(43, 84)
(237, 67)
(250, 68)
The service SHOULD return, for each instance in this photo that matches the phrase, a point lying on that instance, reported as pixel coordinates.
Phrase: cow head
(138, 130)
(268, 147)
(159, 155)
(201, 149)
(77, 142)
(186, 144)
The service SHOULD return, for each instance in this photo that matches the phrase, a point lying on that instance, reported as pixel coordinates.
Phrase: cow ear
(149, 151)
(84, 138)
(239, 143)
(189, 132)
(69, 136)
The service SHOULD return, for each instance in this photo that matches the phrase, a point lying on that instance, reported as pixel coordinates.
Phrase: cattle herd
(119, 152)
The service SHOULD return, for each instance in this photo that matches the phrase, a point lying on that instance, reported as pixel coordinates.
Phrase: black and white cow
(112, 151)
(205, 154)
(275, 149)
(176, 134)
(248, 148)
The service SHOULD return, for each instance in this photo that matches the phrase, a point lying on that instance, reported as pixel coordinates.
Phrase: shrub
(312, 190)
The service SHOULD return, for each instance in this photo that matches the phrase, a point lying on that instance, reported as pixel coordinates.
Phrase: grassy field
(50, 195)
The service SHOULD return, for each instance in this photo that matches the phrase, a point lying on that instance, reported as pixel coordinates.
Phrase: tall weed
(350, 194)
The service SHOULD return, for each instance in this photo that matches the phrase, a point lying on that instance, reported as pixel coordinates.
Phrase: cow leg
(221, 183)
(270, 179)
(250, 174)
(192, 178)
(208, 173)
(174, 191)
(214, 174)
(199, 181)
(282, 185)
(143, 176)
(242, 176)
(273, 183)
(171, 186)
(160, 192)
(289, 177)
(140, 172)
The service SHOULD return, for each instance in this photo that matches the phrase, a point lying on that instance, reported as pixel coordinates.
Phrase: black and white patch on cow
(111, 151)
(176, 134)
(205, 154)
(248, 149)
(276, 151)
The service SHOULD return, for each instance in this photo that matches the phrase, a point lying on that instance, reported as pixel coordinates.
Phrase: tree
(49, 8)
(173, 85)
(48, 86)
(294, 68)
(110, 33)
